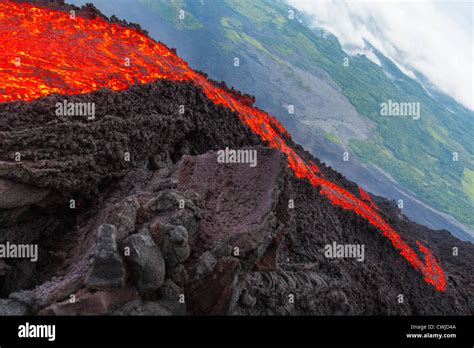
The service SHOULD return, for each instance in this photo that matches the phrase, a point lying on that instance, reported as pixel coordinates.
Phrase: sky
(435, 38)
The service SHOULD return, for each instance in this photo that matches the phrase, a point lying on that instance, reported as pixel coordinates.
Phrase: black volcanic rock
(146, 262)
(226, 206)
(108, 270)
(10, 307)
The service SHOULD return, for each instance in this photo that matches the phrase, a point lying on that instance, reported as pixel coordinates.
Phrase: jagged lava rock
(108, 270)
(146, 262)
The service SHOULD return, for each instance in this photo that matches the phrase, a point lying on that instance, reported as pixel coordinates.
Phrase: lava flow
(45, 51)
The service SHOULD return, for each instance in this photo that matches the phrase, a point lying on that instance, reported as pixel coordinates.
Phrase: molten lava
(45, 51)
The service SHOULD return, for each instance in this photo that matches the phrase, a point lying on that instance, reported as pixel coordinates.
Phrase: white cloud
(430, 37)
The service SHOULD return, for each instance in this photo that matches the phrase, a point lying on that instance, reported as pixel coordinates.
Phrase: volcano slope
(134, 214)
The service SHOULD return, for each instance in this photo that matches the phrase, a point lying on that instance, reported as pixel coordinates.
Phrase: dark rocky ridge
(280, 250)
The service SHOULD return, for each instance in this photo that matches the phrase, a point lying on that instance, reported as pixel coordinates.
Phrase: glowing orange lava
(45, 51)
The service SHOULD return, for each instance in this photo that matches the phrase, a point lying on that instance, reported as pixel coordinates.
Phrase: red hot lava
(45, 51)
